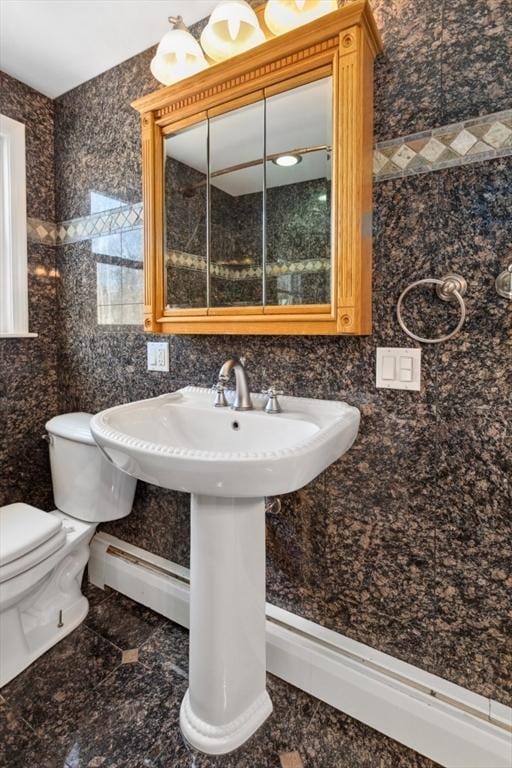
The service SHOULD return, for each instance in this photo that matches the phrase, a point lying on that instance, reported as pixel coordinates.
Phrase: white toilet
(43, 554)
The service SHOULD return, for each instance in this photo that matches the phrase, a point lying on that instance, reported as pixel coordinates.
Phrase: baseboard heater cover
(443, 721)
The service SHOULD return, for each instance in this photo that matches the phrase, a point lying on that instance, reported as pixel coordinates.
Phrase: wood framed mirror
(257, 187)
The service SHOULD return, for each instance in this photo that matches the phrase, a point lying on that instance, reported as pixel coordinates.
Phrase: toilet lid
(32, 558)
(24, 528)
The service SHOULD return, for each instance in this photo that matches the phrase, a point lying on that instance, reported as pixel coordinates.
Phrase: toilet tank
(85, 484)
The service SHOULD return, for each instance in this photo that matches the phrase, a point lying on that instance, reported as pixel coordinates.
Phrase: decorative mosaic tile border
(85, 228)
(182, 260)
(43, 232)
(483, 138)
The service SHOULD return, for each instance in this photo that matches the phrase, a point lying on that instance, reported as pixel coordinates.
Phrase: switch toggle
(388, 367)
(399, 368)
(406, 369)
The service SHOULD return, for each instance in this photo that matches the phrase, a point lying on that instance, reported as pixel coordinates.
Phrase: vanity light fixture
(232, 28)
(286, 161)
(178, 55)
(283, 15)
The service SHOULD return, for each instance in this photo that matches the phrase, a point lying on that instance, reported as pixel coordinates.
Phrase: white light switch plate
(158, 355)
(399, 368)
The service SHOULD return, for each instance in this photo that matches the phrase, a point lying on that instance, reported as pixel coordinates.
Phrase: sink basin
(228, 461)
(181, 441)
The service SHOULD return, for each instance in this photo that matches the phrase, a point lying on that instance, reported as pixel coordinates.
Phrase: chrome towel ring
(451, 287)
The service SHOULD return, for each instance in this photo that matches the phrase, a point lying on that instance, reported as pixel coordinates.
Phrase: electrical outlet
(158, 356)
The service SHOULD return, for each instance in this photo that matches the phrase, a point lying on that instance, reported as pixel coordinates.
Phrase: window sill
(19, 335)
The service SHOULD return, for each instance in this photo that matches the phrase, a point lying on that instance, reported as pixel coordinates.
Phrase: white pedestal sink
(229, 461)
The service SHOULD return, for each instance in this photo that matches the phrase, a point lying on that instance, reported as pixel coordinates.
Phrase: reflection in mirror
(236, 208)
(119, 276)
(185, 205)
(298, 197)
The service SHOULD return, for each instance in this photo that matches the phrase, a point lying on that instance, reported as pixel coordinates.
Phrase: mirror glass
(236, 206)
(185, 230)
(248, 204)
(298, 195)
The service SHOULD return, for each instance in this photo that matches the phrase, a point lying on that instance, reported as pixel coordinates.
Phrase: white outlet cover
(399, 368)
(158, 356)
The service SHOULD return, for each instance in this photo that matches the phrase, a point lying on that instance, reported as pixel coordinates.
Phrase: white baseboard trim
(445, 722)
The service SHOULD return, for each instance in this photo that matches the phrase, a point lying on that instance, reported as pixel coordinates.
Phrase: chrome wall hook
(503, 283)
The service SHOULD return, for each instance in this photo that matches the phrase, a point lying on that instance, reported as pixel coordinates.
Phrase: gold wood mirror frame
(342, 44)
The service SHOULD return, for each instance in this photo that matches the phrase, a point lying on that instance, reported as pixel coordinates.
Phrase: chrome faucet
(242, 401)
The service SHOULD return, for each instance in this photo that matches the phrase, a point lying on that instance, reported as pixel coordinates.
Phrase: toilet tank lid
(72, 426)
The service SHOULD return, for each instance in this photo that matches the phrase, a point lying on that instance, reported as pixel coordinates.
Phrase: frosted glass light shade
(233, 28)
(283, 15)
(178, 56)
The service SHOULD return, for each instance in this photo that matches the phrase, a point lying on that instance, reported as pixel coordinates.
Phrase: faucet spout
(242, 401)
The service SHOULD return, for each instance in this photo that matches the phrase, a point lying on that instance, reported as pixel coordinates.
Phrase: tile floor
(108, 696)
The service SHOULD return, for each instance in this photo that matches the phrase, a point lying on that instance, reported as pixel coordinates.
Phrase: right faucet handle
(272, 404)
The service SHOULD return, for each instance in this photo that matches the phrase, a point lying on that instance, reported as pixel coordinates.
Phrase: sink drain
(235, 425)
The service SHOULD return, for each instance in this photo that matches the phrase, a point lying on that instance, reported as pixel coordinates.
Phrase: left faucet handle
(220, 396)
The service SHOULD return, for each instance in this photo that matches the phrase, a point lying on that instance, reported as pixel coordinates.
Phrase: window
(119, 275)
(13, 230)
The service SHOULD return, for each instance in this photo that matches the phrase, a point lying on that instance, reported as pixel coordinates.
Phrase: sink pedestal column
(227, 700)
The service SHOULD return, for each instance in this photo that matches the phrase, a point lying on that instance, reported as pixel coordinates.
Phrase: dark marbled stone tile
(387, 564)
(292, 595)
(473, 528)
(440, 65)
(28, 383)
(28, 390)
(457, 219)
(20, 102)
(476, 215)
(408, 73)
(42, 753)
(473, 623)
(123, 622)
(379, 580)
(15, 734)
(391, 466)
(406, 206)
(296, 536)
(59, 682)
(76, 290)
(476, 50)
(412, 642)
(127, 722)
(473, 221)
(474, 471)
(472, 628)
(97, 138)
(159, 522)
(166, 649)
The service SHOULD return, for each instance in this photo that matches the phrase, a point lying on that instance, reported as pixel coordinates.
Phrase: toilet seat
(27, 536)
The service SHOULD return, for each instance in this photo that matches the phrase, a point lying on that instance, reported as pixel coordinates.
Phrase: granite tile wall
(403, 543)
(28, 376)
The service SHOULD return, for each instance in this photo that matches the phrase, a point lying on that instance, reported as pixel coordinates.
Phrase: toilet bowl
(43, 554)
